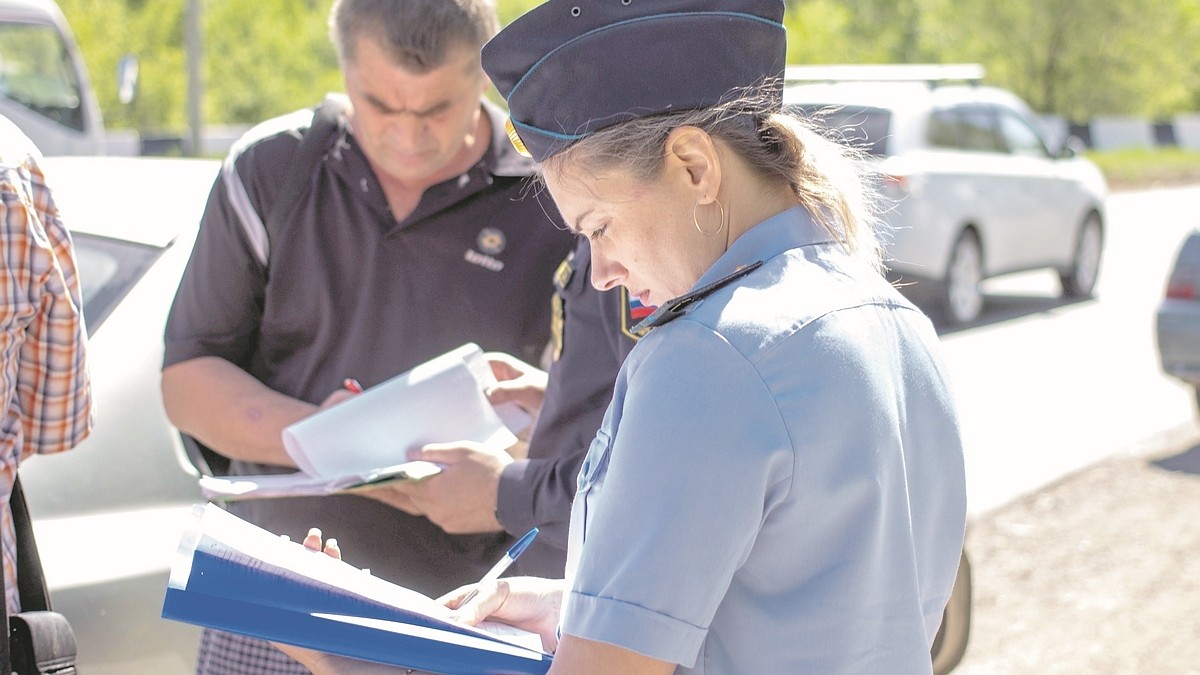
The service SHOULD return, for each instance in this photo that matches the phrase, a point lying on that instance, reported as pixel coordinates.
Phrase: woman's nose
(606, 273)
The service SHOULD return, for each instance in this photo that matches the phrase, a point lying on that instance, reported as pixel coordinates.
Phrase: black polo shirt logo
(491, 242)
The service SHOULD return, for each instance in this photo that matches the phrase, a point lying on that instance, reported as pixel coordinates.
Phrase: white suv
(971, 186)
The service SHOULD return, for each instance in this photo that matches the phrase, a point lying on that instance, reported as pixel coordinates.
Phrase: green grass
(1146, 167)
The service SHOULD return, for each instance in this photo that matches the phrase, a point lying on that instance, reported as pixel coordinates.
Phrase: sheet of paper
(301, 484)
(441, 400)
(218, 533)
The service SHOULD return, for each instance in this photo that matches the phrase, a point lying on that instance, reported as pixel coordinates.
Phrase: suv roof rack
(932, 74)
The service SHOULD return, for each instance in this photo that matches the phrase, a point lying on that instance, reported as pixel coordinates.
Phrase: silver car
(971, 188)
(1178, 319)
(109, 513)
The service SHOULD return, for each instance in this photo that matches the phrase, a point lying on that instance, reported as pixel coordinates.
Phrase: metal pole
(195, 76)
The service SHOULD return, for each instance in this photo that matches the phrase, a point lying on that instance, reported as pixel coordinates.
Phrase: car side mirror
(127, 78)
(1072, 147)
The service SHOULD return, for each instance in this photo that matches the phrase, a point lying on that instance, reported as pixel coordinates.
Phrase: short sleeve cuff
(634, 628)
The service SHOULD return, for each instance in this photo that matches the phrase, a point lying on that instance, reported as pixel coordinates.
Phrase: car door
(1048, 205)
(1003, 212)
(945, 193)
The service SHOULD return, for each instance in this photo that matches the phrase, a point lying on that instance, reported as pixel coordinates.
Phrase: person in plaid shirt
(45, 384)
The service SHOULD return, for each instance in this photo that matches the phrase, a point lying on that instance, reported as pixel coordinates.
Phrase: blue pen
(509, 558)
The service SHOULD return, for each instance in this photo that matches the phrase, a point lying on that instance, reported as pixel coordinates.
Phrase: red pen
(351, 384)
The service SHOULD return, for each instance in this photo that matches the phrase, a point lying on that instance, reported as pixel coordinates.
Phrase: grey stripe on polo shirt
(235, 190)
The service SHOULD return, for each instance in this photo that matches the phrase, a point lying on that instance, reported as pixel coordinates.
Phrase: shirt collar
(782, 232)
(790, 229)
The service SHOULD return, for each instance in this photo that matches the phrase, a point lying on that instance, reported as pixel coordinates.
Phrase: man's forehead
(401, 88)
(416, 61)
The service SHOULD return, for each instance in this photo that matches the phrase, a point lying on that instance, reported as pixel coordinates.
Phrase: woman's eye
(598, 232)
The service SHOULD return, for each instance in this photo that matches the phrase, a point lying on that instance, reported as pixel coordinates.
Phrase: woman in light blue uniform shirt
(778, 485)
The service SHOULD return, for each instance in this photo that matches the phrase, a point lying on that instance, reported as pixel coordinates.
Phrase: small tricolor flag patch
(638, 311)
(635, 311)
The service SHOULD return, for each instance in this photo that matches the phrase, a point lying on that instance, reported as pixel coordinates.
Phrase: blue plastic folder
(233, 576)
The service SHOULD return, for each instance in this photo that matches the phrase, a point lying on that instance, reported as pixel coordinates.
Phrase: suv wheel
(962, 299)
(950, 644)
(1079, 280)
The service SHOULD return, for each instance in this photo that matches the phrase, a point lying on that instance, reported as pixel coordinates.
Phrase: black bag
(40, 640)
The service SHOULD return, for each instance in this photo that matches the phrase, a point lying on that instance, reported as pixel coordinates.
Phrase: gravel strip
(1098, 573)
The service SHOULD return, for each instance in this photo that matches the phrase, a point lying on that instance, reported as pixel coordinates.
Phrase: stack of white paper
(364, 440)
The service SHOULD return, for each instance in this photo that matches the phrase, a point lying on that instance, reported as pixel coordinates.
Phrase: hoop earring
(696, 221)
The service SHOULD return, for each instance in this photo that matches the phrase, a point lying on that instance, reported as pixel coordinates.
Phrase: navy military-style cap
(569, 68)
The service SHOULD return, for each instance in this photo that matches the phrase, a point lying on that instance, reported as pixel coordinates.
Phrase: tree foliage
(1081, 59)
(265, 63)
(1076, 58)
(259, 58)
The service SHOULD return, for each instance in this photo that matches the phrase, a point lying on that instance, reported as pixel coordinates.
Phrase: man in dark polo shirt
(416, 232)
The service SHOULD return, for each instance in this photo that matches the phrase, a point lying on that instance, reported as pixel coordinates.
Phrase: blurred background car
(1178, 317)
(44, 84)
(108, 515)
(971, 188)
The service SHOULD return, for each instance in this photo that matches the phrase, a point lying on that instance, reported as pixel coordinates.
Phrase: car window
(979, 130)
(36, 71)
(856, 126)
(970, 128)
(108, 270)
(945, 129)
(1019, 136)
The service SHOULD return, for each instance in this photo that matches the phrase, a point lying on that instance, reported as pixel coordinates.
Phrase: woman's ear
(692, 155)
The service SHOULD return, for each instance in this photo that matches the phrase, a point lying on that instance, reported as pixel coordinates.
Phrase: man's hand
(338, 395)
(518, 382)
(462, 498)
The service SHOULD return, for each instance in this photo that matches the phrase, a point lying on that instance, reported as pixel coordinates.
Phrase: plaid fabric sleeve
(53, 385)
(43, 368)
(47, 404)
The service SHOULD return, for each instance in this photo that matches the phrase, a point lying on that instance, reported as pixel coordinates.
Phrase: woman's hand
(530, 603)
(322, 663)
(316, 661)
(312, 542)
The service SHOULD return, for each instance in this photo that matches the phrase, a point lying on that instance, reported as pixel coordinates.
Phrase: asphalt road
(1083, 466)
(1047, 387)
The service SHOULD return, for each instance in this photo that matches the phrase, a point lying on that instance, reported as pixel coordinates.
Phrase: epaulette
(673, 309)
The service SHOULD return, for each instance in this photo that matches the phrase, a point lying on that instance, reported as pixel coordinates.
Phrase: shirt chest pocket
(590, 483)
(595, 463)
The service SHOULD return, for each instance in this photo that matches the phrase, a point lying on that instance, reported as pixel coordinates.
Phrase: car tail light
(893, 181)
(1183, 289)
(895, 186)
